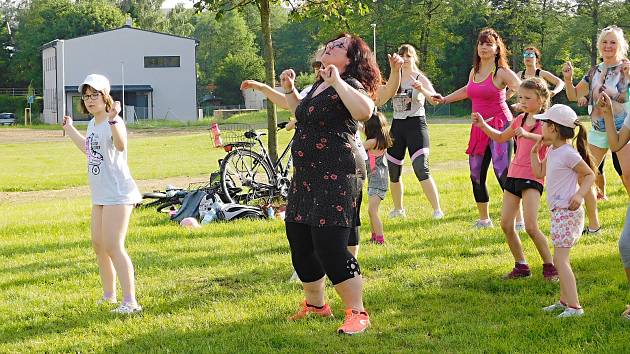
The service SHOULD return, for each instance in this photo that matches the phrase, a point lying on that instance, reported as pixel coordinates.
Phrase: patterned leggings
(500, 154)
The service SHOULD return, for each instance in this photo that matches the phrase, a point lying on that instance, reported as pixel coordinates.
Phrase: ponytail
(582, 145)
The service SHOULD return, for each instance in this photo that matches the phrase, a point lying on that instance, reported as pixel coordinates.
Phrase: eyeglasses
(337, 44)
(529, 55)
(316, 65)
(93, 96)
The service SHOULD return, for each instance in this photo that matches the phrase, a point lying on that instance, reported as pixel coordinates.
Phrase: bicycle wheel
(246, 178)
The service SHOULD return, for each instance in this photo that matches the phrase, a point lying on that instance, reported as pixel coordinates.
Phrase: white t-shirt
(561, 179)
(409, 102)
(110, 180)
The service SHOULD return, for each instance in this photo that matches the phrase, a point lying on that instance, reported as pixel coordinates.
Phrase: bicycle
(251, 177)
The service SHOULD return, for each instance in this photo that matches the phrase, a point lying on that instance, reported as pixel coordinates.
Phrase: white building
(156, 72)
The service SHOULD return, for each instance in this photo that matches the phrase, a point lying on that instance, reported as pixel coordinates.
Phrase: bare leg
(508, 212)
(531, 202)
(568, 288)
(375, 221)
(314, 292)
(115, 222)
(105, 266)
(351, 292)
(624, 155)
(354, 250)
(430, 190)
(397, 190)
(484, 210)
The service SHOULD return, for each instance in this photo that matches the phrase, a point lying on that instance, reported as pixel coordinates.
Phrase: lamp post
(374, 39)
(122, 70)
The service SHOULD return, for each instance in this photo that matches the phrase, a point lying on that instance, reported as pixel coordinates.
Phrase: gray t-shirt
(110, 180)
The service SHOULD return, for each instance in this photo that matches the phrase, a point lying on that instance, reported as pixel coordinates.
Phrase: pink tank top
(488, 101)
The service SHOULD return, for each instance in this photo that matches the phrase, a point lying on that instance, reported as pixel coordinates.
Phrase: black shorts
(516, 186)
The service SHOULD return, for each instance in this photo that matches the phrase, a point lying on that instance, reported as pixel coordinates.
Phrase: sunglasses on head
(529, 55)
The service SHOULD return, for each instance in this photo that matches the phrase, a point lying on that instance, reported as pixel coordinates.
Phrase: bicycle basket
(235, 132)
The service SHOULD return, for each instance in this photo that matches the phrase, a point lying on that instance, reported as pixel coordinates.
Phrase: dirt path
(22, 135)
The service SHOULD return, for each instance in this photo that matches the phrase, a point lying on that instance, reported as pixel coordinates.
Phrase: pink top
(521, 166)
(488, 101)
(372, 155)
(561, 179)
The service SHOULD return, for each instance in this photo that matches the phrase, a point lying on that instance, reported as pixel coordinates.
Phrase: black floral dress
(328, 170)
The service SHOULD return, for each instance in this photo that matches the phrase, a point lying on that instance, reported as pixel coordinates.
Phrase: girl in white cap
(114, 192)
(564, 167)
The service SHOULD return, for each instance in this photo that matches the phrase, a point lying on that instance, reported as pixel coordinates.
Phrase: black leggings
(615, 163)
(412, 134)
(319, 251)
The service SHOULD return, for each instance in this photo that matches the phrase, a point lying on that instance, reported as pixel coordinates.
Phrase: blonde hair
(409, 49)
(109, 101)
(539, 86)
(622, 43)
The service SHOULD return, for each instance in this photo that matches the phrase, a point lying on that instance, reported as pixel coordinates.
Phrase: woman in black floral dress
(328, 177)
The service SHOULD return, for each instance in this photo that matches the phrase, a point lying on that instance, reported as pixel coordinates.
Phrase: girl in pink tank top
(486, 89)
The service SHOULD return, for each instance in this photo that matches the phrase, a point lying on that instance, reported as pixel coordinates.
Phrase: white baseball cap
(561, 114)
(97, 82)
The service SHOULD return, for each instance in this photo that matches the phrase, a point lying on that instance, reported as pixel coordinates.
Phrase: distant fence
(209, 109)
(15, 91)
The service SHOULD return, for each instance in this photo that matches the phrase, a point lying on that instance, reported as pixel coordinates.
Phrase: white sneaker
(555, 307)
(481, 224)
(571, 312)
(438, 214)
(397, 213)
(127, 309)
(519, 226)
(106, 301)
(294, 278)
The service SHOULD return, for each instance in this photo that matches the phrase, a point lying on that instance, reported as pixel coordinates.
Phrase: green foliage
(304, 79)
(16, 104)
(47, 20)
(147, 14)
(233, 70)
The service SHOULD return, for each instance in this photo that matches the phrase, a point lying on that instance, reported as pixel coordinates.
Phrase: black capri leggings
(319, 251)
(615, 163)
(412, 134)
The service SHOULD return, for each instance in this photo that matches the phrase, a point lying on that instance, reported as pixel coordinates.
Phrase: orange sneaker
(305, 310)
(355, 322)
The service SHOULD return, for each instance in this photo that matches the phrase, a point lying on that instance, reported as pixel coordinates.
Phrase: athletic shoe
(127, 309)
(519, 271)
(438, 214)
(589, 231)
(355, 322)
(305, 310)
(397, 213)
(626, 313)
(106, 301)
(481, 224)
(294, 278)
(519, 226)
(555, 307)
(549, 272)
(377, 239)
(601, 196)
(571, 312)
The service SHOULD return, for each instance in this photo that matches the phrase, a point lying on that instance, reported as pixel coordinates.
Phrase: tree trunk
(595, 18)
(270, 77)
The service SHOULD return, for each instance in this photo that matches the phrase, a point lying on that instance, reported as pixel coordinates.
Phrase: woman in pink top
(521, 182)
(486, 88)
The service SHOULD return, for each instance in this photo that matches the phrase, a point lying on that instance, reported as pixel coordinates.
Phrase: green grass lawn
(435, 287)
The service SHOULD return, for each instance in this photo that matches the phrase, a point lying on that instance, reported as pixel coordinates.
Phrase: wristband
(292, 90)
(112, 122)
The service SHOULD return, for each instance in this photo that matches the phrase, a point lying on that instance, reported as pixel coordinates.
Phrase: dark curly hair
(362, 64)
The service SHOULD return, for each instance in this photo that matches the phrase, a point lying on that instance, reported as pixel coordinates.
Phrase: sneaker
(438, 214)
(601, 196)
(106, 301)
(589, 231)
(519, 226)
(571, 312)
(306, 309)
(483, 224)
(378, 239)
(626, 313)
(519, 271)
(555, 307)
(355, 322)
(397, 213)
(294, 278)
(549, 272)
(127, 309)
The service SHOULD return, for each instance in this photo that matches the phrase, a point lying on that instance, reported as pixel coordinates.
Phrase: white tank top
(110, 180)
(408, 102)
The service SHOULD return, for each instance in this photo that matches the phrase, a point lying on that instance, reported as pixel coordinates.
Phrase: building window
(161, 62)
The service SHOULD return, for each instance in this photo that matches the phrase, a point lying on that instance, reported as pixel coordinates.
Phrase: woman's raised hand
(415, 83)
(252, 84)
(625, 68)
(114, 111)
(437, 99)
(605, 103)
(477, 119)
(67, 122)
(287, 80)
(567, 70)
(582, 101)
(395, 61)
(330, 74)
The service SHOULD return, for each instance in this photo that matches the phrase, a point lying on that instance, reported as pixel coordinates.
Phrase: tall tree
(147, 14)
